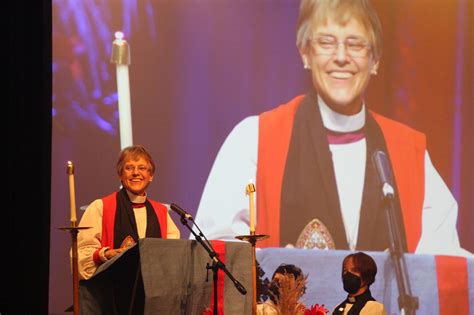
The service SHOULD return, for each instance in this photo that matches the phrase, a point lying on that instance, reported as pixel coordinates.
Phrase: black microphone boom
(407, 303)
(384, 172)
(181, 212)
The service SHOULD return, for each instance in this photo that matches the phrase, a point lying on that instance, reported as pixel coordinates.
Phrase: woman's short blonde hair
(134, 153)
(341, 11)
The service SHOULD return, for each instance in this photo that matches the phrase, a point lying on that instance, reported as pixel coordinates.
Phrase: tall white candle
(121, 57)
(250, 192)
(72, 193)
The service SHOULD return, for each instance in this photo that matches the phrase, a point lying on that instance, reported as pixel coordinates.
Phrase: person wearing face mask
(311, 158)
(120, 219)
(358, 273)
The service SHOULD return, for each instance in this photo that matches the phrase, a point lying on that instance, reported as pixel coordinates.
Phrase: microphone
(384, 172)
(180, 211)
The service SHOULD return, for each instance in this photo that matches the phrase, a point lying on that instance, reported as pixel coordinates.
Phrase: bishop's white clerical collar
(338, 122)
(135, 198)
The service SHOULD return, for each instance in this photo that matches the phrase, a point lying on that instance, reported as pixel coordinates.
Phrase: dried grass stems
(290, 291)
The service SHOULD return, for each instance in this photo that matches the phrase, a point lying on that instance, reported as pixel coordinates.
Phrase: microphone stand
(216, 262)
(407, 303)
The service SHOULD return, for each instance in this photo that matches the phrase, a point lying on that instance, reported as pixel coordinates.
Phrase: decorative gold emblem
(315, 235)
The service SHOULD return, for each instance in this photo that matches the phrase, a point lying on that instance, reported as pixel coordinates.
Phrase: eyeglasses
(132, 168)
(327, 45)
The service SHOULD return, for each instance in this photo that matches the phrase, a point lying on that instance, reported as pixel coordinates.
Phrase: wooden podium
(159, 276)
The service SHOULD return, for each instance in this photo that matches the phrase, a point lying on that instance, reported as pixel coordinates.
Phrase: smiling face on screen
(341, 61)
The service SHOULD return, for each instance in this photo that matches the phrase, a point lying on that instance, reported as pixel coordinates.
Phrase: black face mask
(351, 282)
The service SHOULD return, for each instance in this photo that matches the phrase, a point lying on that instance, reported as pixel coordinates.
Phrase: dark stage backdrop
(199, 67)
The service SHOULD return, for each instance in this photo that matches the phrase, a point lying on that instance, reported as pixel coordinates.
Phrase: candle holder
(253, 239)
(74, 230)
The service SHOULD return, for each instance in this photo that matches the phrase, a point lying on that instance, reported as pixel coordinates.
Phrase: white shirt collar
(135, 198)
(338, 122)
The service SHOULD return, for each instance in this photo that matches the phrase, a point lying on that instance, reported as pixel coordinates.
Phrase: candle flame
(250, 188)
(119, 35)
(70, 168)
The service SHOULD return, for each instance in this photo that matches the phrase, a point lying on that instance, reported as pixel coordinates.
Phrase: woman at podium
(120, 219)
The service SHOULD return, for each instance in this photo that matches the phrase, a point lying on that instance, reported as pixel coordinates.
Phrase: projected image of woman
(311, 158)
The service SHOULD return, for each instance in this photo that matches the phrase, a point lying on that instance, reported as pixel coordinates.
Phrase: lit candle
(250, 190)
(72, 194)
(121, 57)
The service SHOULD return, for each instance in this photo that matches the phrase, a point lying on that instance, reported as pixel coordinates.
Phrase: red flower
(316, 310)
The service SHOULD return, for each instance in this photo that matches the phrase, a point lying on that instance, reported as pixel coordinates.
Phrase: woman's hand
(127, 242)
(110, 253)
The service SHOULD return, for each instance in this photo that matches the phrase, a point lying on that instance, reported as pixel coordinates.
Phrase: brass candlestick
(252, 239)
(74, 230)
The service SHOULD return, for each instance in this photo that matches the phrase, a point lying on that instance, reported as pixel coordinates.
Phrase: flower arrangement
(281, 295)
(290, 291)
(287, 301)
(316, 310)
